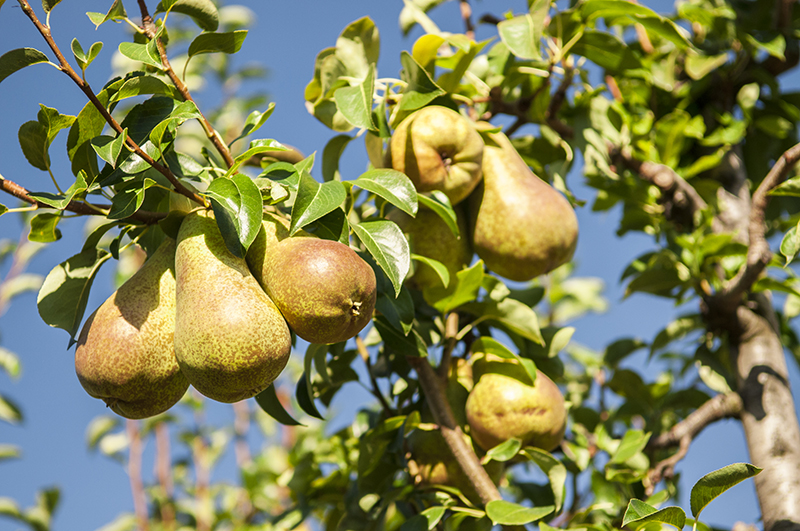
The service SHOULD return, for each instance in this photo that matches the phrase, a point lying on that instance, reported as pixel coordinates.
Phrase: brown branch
(758, 252)
(77, 207)
(87, 90)
(211, 134)
(720, 407)
(135, 474)
(450, 430)
(450, 342)
(164, 474)
(556, 101)
(466, 14)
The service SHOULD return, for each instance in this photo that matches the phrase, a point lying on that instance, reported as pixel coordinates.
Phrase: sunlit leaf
(203, 12)
(18, 59)
(386, 243)
(639, 512)
(715, 483)
(503, 512)
(391, 185)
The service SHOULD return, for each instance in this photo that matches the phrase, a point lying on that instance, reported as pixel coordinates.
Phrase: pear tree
(438, 277)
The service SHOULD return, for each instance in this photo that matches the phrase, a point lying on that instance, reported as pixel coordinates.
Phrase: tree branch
(450, 342)
(77, 207)
(758, 253)
(556, 101)
(211, 134)
(164, 474)
(135, 474)
(453, 436)
(87, 90)
(466, 14)
(719, 407)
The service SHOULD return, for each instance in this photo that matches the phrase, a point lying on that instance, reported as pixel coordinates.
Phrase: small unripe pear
(323, 288)
(503, 405)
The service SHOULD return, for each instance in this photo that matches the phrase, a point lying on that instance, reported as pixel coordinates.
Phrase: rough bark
(768, 417)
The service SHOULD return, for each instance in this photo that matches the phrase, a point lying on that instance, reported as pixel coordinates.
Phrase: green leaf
(9, 451)
(331, 155)
(514, 315)
(115, 12)
(65, 291)
(715, 483)
(556, 472)
(386, 243)
(358, 47)
(489, 345)
(502, 512)
(393, 186)
(84, 59)
(505, 451)
(9, 362)
(257, 147)
(18, 59)
(87, 125)
(355, 102)
(186, 110)
(305, 389)
(9, 411)
(272, 406)
(44, 228)
(48, 5)
(631, 444)
(439, 203)
(9, 507)
(606, 51)
(641, 512)
(143, 85)
(238, 206)
(521, 36)
(254, 122)
(790, 245)
(230, 42)
(790, 187)
(142, 53)
(464, 290)
(203, 12)
(396, 341)
(420, 89)
(699, 66)
(61, 201)
(439, 268)
(332, 226)
(109, 148)
(129, 200)
(398, 311)
(314, 200)
(3, 209)
(33, 141)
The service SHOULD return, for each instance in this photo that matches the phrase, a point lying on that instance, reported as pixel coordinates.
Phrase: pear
(273, 229)
(430, 237)
(439, 150)
(125, 354)
(521, 226)
(323, 288)
(230, 340)
(503, 404)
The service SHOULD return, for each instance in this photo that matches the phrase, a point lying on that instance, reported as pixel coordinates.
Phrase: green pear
(521, 226)
(323, 288)
(430, 237)
(439, 150)
(125, 354)
(230, 340)
(503, 404)
(273, 229)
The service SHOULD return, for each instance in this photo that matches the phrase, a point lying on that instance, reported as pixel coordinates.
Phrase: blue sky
(286, 38)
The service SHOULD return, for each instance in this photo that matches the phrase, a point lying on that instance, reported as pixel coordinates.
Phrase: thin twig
(87, 90)
(556, 101)
(758, 253)
(376, 391)
(450, 342)
(451, 431)
(722, 406)
(466, 14)
(77, 207)
(211, 134)
(135, 474)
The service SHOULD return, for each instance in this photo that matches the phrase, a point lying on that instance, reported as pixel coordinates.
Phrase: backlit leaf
(521, 36)
(254, 122)
(503, 512)
(355, 102)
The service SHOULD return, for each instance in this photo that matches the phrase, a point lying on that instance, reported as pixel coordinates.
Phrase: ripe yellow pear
(230, 340)
(439, 150)
(323, 288)
(430, 237)
(503, 405)
(521, 226)
(125, 353)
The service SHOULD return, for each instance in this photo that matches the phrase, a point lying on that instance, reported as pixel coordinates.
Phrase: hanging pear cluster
(197, 314)
(518, 224)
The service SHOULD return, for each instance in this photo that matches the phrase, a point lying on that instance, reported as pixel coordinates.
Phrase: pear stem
(451, 431)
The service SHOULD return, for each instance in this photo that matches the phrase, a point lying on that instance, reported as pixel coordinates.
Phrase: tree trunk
(769, 417)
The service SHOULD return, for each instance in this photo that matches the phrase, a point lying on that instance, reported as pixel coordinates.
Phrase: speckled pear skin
(323, 288)
(439, 150)
(504, 404)
(273, 229)
(125, 354)
(521, 226)
(431, 237)
(231, 341)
